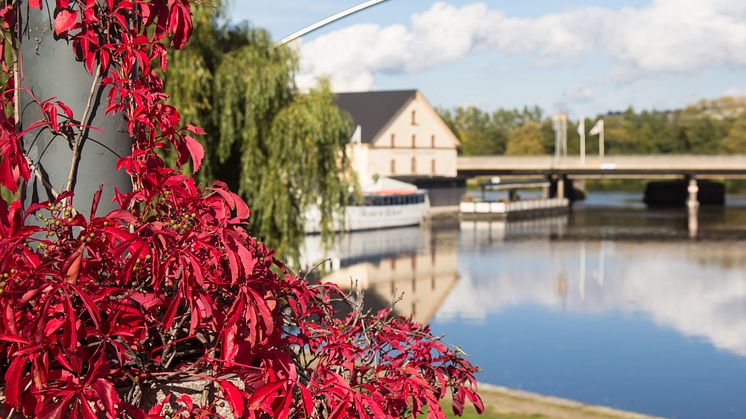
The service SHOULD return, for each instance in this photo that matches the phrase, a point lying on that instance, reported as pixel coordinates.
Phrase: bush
(96, 310)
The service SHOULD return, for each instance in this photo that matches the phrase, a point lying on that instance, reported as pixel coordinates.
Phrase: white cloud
(735, 91)
(579, 94)
(667, 36)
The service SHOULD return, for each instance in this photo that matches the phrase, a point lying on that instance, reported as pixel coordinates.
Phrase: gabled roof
(373, 110)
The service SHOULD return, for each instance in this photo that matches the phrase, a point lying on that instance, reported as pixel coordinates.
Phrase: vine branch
(75, 161)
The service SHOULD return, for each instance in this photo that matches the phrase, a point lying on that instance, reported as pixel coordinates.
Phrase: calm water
(614, 304)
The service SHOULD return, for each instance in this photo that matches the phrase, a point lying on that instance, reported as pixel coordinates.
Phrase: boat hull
(373, 217)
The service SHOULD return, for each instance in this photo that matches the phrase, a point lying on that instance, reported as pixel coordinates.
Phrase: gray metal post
(49, 69)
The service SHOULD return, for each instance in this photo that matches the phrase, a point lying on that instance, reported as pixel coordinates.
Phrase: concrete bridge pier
(692, 201)
(557, 186)
(562, 186)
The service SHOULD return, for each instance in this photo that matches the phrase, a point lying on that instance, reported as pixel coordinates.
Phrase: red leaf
(195, 150)
(72, 265)
(14, 339)
(261, 394)
(307, 400)
(13, 381)
(234, 396)
(168, 319)
(107, 394)
(195, 129)
(35, 4)
(90, 306)
(64, 21)
(475, 400)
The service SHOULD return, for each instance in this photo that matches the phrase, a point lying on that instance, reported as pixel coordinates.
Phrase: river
(613, 304)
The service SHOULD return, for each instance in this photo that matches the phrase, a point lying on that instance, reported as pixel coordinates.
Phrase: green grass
(489, 413)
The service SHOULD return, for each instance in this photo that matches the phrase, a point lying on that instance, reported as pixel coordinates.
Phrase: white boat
(387, 203)
(513, 206)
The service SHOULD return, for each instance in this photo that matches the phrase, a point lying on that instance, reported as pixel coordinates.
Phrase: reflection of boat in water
(406, 263)
(386, 203)
(478, 232)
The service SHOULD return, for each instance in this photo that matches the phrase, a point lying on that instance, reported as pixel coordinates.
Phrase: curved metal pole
(330, 19)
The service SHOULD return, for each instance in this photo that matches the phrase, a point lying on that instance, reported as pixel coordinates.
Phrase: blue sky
(587, 56)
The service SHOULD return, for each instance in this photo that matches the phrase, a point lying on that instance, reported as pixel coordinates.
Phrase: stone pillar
(49, 69)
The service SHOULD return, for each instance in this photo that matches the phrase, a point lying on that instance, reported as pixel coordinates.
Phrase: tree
(281, 149)
(735, 141)
(525, 140)
(476, 131)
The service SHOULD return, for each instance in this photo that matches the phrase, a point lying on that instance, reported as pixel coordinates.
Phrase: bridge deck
(608, 166)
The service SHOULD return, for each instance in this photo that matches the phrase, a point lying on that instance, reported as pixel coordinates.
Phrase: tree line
(707, 127)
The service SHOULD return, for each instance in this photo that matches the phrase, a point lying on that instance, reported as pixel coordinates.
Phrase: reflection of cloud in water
(692, 287)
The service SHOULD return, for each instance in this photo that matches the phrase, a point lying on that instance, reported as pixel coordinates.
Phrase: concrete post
(49, 69)
(693, 190)
(560, 187)
(692, 204)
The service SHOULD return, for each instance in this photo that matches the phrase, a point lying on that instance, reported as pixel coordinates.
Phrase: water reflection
(611, 304)
(415, 266)
(685, 286)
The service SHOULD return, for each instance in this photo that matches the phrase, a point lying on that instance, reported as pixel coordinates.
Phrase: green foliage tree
(735, 141)
(525, 140)
(283, 150)
(701, 128)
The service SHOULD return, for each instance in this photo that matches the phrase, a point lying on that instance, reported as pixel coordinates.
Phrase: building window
(393, 140)
(414, 165)
(393, 166)
(432, 166)
(414, 141)
(432, 141)
(414, 117)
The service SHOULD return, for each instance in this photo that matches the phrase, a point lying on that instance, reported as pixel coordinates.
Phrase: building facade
(398, 134)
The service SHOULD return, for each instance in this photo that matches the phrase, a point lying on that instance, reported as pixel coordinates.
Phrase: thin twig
(40, 177)
(84, 122)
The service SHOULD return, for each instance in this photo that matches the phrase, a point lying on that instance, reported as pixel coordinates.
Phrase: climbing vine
(98, 311)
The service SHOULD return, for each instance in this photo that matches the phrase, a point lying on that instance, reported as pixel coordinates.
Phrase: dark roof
(373, 110)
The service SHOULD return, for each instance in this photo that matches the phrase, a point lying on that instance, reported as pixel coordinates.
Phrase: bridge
(644, 166)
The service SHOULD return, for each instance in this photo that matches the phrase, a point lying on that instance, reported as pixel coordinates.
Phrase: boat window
(393, 140)
(414, 165)
(393, 166)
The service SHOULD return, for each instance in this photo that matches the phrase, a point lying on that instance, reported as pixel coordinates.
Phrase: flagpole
(581, 131)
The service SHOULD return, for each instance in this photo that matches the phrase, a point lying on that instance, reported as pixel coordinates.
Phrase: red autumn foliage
(93, 310)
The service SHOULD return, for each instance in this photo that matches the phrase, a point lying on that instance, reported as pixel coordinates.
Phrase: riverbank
(505, 403)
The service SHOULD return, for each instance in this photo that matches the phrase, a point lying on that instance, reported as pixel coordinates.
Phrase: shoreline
(503, 402)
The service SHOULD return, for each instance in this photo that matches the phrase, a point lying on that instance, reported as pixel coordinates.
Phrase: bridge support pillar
(692, 189)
